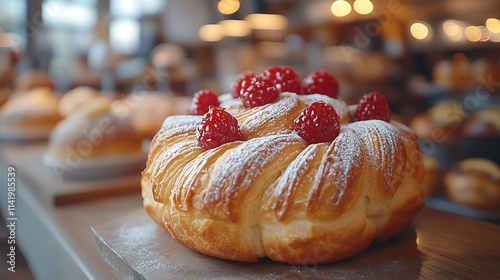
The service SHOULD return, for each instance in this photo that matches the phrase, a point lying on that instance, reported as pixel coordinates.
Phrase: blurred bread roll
(34, 79)
(94, 132)
(475, 182)
(36, 109)
(74, 99)
(433, 178)
(442, 121)
(483, 123)
(148, 111)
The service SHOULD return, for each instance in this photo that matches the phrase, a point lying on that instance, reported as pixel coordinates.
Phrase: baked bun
(442, 122)
(74, 99)
(36, 111)
(433, 179)
(4, 95)
(483, 123)
(33, 79)
(148, 111)
(93, 132)
(475, 182)
(271, 194)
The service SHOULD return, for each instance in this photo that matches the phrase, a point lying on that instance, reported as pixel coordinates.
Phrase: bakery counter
(53, 226)
(76, 238)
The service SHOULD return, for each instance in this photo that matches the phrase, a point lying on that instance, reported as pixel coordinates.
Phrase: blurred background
(399, 47)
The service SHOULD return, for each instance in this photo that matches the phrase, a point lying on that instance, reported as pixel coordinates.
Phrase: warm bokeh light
(228, 7)
(267, 21)
(419, 30)
(363, 7)
(453, 29)
(485, 34)
(211, 32)
(236, 28)
(493, 25)
(495, 37)
(341, 8)
(473, 33)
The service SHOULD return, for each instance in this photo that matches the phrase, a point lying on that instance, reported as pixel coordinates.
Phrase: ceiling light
(493, 25)
(363, 7)
(340, 8)
(419, 30)
(228, 7)
(211, 32)
(267, 21)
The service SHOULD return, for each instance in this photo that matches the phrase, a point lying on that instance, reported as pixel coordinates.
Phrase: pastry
(76, 98)
(93, 132)
(474, 182)
(147, 111)
(440, 123)
(267, 192)
(33, 79)
(433, 179)
(483, 123)
(34, 113)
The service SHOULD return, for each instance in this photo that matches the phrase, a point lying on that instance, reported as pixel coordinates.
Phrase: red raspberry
(285, 78)
(217, 127)
(372, 106)
(318, 123)
(236, 85)
(202, 101)
(321, 82)
(258, 91)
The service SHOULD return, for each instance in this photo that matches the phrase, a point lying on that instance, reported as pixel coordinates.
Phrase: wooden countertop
(438, 245)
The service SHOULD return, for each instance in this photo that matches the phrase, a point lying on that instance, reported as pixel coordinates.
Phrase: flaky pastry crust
(273, 195)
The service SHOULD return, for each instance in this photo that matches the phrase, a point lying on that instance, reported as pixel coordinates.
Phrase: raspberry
(217, 127)
(202, 101)
(318, 123)
(258, 91)
(236, 85)
(285, 78)
(321, 82)
(372, 106)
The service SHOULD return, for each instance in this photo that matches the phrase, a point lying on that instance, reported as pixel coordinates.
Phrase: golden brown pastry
(35, 112)
(4, 95)
(483, 123)
(475, 182)
(74, 99)
(33, 79)
(274, 195)
(433, 179)
(93, 132)
(455, 74)
(441, 123)
(147, 111)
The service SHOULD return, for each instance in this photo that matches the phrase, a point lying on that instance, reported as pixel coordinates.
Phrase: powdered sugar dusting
(274, 118)
(291, 179)
(380, 142)
(237, 171)
(337, 104)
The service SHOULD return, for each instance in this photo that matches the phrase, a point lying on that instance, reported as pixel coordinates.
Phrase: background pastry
(149, 110)
(433, 178)
(475, 182)
(76, 98)
(36, 111)
(94, 132)
(34, 79)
